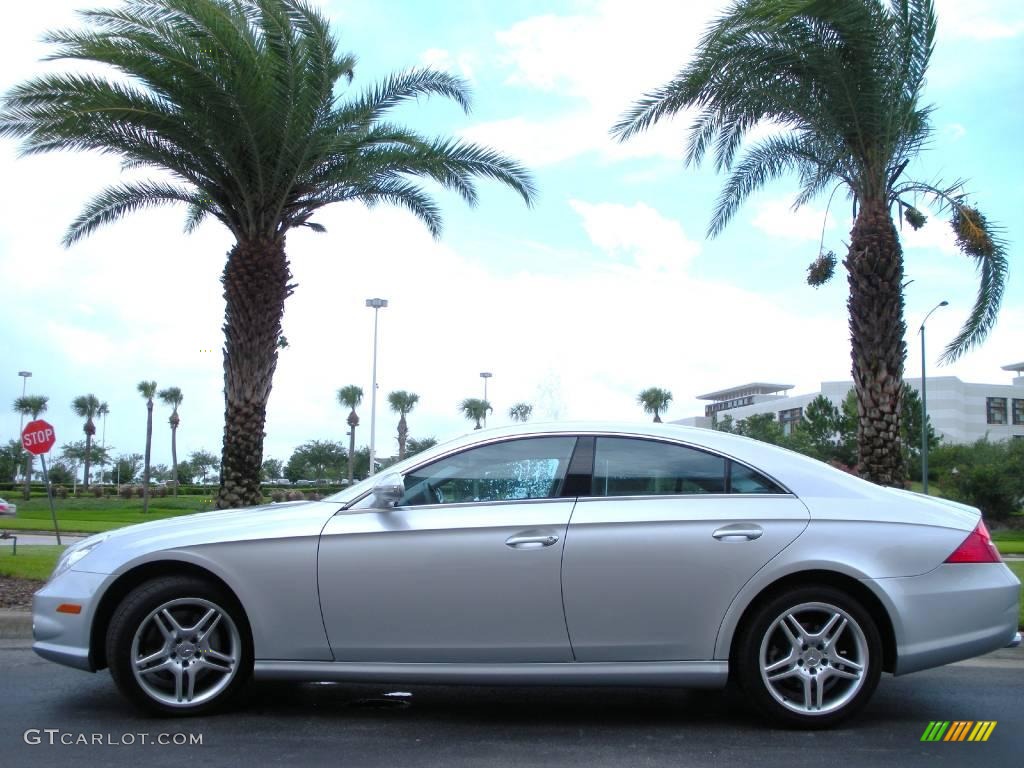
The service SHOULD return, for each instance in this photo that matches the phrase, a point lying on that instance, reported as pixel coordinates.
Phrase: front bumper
(955, 612)
(64, 637)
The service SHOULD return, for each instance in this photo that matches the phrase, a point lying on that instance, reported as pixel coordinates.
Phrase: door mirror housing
(388, 491)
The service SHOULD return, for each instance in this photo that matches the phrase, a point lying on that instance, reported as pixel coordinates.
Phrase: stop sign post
(38, 437)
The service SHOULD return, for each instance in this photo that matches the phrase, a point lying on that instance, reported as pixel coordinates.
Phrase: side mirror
(388, 491)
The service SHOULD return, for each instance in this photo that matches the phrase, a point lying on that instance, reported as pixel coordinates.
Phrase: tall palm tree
(234, 104)
(350, 397)
(402, 403)
(87, 407)
(841, 84)
(31, 406)
(148, 391)
(475, 409)
(172, 396)
(520, 412)
(654, 400)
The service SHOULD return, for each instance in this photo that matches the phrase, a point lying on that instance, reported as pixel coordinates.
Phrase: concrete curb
(15, 625)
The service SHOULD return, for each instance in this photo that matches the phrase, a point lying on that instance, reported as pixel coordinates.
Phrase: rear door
(662, 544)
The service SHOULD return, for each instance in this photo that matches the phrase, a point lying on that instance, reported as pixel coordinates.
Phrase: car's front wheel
(809, 658)
(179, 646)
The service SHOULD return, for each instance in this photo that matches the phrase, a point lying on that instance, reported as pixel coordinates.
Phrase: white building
(960, 412)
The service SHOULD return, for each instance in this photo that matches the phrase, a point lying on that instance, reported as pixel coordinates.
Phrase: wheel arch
(129, 580)
(821, 577)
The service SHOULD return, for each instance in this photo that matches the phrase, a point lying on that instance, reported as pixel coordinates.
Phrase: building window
(1018, 411)
(789, 419)
(996, 409)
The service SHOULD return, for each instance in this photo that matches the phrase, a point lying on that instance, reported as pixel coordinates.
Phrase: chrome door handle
(738, 532)
(530, 541)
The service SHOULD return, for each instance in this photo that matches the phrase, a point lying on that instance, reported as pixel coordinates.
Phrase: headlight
(75, 553)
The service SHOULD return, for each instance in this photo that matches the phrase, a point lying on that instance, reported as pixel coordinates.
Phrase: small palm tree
(475, 409)
(31, 406)
(148, 391)
(172, 396)
(350, 397)
(239, 109)
(401, 403)
(845, 82)
(654, 400)
(520, 412)
(87, 407)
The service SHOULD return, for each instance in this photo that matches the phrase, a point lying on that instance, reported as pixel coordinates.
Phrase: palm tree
(654, 400)
(148, 391)
(31, 406)
(841, 84)
(87, 407)
(172, 396)
(350, 397)
(234, 104)
(401, 403)
(520, 412)
(475, 409)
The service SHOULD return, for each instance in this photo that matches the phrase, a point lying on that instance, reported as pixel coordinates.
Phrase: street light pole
(376, 304)
(924, 404)
(25, 376)
(485, 375)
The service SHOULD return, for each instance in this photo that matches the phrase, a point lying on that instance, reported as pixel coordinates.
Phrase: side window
(629, 467)
(743, 479)
(531, 468)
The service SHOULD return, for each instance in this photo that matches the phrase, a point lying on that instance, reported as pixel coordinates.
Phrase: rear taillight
(976, 548)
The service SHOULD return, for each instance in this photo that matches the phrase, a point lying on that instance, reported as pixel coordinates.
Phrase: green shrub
(97, 491)
(60, 492)
(127, 491)
(986, 475)
(278, 496)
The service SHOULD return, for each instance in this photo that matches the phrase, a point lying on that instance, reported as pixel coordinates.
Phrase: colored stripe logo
(959, 730)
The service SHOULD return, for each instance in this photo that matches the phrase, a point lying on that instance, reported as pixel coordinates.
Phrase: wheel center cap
(813, 657)
(186, 650)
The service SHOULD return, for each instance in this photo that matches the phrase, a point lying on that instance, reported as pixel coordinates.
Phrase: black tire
(828, 670)
(191, 651)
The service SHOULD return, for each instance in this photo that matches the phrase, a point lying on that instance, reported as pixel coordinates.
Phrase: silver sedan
(595, 554)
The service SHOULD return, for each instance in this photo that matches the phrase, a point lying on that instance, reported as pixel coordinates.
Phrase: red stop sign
(38, 437)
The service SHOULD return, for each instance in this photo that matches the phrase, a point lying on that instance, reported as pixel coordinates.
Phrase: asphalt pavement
(359, 725)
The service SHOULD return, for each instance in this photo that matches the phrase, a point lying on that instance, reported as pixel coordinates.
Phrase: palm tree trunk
(174, 451)
(875, 273)
(88, 452)
(256, 284)
(149, 446)
(657, 418)
(351, 451)
(403, 434)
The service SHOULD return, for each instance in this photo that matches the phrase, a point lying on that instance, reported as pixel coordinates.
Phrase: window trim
(989, 409)
(786, 491)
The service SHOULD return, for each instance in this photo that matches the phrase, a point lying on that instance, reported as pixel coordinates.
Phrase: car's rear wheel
(809, 658)
(179, 646)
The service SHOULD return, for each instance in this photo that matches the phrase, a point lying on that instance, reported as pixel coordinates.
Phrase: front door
(466, 568)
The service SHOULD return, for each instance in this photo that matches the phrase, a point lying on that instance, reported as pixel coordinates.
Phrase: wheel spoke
(209, 630)
(819, 690)
(789, 623)
(807, 692)
(210, 653)
(171, 620)
(143, 663)
(849, 674)
(831, 639)
(162, 627)
(224, 664)
(167, 664)
(191, 672)
(177, 671)
(198, 626)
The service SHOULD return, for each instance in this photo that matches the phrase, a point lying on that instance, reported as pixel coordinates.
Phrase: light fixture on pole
(485, 375)
(377, 305)
(924, 404)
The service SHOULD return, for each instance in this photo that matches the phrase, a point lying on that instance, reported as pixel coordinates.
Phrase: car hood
(115, 549)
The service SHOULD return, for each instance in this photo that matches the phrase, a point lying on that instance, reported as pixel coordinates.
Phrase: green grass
(31, 562)
(92, 515)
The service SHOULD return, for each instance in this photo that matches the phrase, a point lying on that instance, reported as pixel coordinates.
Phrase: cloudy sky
(608, 285)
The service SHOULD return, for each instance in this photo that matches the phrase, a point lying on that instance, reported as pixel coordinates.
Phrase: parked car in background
(7, 509)
(593, 554)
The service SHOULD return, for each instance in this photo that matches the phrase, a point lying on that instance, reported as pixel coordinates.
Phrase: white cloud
(979, 20)
(639, 232)
(777, 218)
(442, 59)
